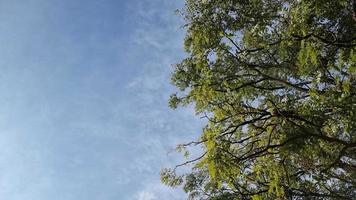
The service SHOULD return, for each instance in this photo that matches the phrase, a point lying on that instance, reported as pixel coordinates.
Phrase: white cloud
(157, 191)
(144, 195)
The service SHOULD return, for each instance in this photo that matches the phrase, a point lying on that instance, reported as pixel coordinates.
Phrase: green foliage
(276, 80)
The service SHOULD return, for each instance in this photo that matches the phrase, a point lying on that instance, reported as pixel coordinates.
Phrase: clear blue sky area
(84, 86)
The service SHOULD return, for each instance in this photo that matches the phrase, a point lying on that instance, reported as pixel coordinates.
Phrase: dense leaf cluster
(276, 80)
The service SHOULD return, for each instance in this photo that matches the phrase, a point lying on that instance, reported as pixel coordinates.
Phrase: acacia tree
(276, 80)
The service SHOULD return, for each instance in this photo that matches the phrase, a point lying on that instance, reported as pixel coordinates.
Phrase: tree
(276, 81)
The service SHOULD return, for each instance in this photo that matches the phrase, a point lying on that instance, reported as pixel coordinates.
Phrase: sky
(84, 86)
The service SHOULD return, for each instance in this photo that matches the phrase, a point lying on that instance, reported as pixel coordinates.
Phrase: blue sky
(84, 86)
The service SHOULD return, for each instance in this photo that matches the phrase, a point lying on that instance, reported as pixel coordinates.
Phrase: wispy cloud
(156, 191)
(159, 32)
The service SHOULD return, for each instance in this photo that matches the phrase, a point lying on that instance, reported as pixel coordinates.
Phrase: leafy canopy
(276, 80)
